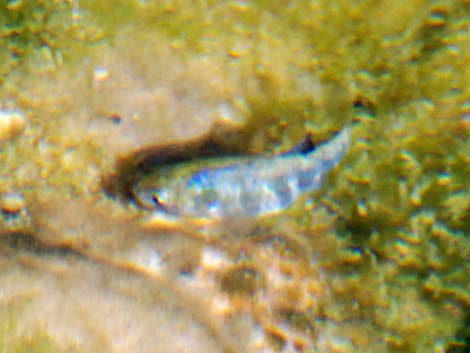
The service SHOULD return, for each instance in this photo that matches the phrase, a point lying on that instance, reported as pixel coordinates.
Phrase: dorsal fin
(303, 147)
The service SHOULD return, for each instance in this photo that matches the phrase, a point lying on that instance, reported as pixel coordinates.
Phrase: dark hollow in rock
(132, 167)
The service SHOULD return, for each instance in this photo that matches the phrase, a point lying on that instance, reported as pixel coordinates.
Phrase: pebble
(12, 123)
(14, 216)
(12, 203)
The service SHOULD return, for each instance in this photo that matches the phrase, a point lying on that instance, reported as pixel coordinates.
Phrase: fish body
(241, 186)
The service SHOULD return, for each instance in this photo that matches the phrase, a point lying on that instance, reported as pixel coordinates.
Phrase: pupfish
(237, 187)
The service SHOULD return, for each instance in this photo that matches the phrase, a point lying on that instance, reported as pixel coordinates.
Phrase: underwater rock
(135, 103)
(93, 306)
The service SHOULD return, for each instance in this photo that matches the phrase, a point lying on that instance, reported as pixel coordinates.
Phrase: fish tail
(323, 159)
(332, 152)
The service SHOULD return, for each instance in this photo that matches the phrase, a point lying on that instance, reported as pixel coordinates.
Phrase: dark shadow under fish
(131, 168)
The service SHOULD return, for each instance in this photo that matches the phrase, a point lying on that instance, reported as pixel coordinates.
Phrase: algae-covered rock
(375, 261)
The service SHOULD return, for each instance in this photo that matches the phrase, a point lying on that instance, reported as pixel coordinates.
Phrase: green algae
(398, 69)
(38, 343)
(54, 27)
(12, 341)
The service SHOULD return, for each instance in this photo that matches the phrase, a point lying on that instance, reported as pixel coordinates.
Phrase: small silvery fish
(222, 188)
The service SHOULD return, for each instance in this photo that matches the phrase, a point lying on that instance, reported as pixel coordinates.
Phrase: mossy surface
(37, 341)
(388, 232)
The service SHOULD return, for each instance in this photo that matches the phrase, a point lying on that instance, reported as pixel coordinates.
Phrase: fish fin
(303, 147)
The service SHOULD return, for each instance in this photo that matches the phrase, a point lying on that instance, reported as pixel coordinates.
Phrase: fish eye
(158, 199)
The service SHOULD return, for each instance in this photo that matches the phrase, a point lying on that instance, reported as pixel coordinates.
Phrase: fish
(241, 186)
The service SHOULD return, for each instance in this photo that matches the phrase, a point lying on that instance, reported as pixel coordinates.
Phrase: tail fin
(334, 150)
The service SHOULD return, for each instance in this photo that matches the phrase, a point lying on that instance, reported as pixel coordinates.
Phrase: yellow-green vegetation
(389, 233)
(49, 29)
(38, 343)
(12, 341)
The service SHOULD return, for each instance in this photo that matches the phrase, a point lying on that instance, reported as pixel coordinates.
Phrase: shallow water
(376, 260)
